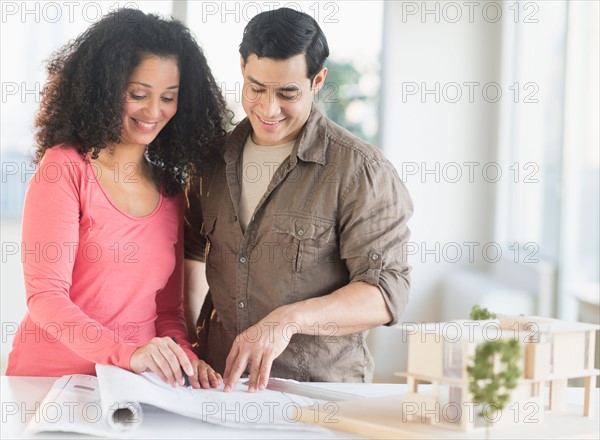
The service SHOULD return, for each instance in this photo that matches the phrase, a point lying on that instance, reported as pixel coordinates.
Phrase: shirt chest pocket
(310, 236)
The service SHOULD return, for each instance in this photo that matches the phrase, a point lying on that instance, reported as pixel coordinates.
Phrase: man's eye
(258, 90)
(293, 97)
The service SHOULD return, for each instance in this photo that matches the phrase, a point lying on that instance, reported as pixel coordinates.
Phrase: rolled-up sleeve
(374, 211)
(194, 239)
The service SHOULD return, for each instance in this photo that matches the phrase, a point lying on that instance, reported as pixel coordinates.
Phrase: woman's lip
(145, 126)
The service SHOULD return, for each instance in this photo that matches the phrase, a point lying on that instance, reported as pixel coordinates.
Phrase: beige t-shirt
(258, 167)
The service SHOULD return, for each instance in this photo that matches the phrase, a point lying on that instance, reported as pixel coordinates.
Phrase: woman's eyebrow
(176, 86)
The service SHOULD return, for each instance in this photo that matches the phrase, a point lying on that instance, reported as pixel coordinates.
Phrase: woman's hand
(166, 358)
(204, 376)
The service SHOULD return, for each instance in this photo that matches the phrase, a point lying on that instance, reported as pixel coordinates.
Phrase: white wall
(30, 32)
(12, 286)
(417, 49)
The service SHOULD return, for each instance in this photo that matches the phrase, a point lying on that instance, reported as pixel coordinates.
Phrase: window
(350, 94)
(580, 232)
(549, 145)
(453, 358)
(30, 33)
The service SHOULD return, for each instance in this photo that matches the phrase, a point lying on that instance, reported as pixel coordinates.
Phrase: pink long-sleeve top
(99, 282)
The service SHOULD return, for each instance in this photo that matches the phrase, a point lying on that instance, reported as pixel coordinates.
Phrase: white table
(20, 395)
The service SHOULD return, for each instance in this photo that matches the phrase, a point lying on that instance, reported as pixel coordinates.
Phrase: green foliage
(480, 314)
(341, 89)
(487, 387)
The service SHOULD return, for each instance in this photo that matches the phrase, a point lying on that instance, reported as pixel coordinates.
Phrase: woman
(127, 107)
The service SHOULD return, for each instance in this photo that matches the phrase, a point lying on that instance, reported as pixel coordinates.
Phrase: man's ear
(319, 80)
(242, 64)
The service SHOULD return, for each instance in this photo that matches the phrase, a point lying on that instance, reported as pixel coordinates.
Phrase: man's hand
(258, 346)
(262, 343)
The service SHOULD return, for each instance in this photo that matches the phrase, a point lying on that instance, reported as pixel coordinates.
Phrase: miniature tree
(479, 314)
(491, 389)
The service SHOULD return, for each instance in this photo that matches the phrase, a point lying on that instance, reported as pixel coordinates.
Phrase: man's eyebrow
(176, 86)
(291, 87)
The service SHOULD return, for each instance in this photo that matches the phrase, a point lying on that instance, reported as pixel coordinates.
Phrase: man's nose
(270, 105)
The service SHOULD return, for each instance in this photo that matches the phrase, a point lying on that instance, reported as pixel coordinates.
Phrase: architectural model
(552, 351)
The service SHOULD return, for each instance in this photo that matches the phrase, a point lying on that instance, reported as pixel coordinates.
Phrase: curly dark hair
(82, 101)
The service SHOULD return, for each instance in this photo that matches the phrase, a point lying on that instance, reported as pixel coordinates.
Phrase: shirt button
(300, 232)
(374, 257)
(242, 260)
(241, 305)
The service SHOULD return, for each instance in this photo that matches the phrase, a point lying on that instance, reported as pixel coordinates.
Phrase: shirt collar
(313, 140)
(310, 146)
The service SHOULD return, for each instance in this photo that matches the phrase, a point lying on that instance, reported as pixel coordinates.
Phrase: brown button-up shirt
(335, 212)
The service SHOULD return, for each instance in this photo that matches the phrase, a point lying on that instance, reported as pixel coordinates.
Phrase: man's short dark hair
(283, 33)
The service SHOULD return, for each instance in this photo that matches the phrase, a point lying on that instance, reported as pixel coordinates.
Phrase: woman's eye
(167, 99)
(137, 97)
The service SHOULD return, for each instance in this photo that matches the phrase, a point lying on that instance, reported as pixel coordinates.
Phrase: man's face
(277, 97)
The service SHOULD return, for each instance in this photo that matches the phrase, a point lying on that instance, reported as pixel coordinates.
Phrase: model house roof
(503, 327)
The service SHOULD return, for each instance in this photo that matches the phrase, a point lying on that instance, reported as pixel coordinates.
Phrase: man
(300, 223)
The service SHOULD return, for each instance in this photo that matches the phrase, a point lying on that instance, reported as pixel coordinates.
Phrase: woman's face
(150, 100)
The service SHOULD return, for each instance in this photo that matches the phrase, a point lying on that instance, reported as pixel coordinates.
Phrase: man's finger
(265, 371)
(239, 365)
(254, 372)
(231, 357)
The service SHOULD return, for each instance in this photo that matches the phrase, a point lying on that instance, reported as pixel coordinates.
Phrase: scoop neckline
(115, 206)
